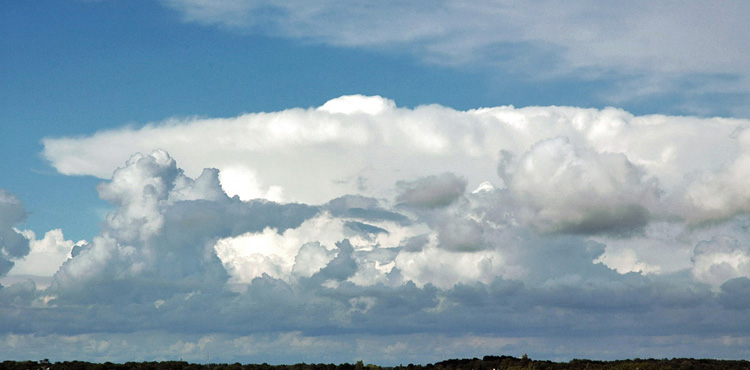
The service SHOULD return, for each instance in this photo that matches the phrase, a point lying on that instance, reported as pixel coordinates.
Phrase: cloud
(13, 244)
(163, 231)
(431, 191)
(569, 188)
(652, 49)
(721, 259)
(582, 223)
(632, 166)
(390, 178)
(44, 258)
(392, 350)
(723, 194)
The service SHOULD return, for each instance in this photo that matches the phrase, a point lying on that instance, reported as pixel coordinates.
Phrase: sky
(394, 182)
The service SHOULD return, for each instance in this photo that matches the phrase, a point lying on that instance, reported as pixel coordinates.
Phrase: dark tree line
(486, 363)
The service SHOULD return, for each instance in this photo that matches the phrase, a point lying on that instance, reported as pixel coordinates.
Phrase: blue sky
(394, 182)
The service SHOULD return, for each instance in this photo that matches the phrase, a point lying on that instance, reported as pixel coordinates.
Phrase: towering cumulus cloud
(363, 228)
(160, 239)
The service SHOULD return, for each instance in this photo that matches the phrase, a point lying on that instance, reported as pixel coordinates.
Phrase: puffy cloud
(573, 189)
(45, 257)
(571, 169)
(582, 221)
(724, 193)
(720, 259)
(664, 247)
(604, 174)
(303, 251)
(444, 268)
(140, 189)
(160, 239)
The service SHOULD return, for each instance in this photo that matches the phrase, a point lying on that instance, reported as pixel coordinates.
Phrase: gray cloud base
(13, 245)
(577, 234)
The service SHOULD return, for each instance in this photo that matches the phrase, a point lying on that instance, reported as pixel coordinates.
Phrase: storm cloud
(524, 225)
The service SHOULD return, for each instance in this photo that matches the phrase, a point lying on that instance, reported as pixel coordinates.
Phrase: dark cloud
(364, 229)
(461, 235)
(479, 262)
(735, 293)
(618, 221)
(431, 191)
(13, 245)
(340, 268)
(416, 243)
(364, 208)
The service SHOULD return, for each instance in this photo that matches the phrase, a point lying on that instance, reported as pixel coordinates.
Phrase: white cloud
(305, 250)
(720, 259)
(663, 247)
(655, 45)
(243, 182)
(353, 104)
(45, 256)
(626, 260)
(314, 155)
(724, 193)
(601, 173)
(583, 220)
(572, 188)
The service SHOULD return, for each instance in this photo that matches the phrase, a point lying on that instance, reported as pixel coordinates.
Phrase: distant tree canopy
(486, 363)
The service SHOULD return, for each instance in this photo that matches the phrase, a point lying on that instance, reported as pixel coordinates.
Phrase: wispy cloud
(652, 49)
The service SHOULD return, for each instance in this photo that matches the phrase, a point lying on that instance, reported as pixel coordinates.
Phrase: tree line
(485, 363)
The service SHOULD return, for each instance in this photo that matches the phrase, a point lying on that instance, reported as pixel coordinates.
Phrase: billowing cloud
(163, 231)
(514, 226)
(724, 193)
(45, 257)
(721, 259)
(652, 47)
(394, 179)
(607, 170)
(579, 190)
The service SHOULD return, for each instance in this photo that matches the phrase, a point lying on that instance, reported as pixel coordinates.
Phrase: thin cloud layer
(652, 49)
(521, 228)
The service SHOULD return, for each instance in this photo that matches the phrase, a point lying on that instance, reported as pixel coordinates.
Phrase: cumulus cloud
(611, 170)
(44, 258)
(724, 193)
(569, 188)
(390, 177)
(720, 259)
(582, 221)
(163, 231)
